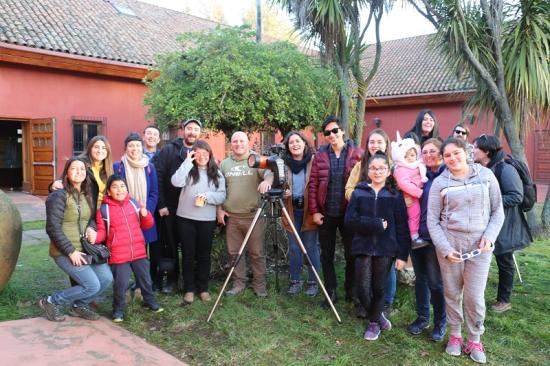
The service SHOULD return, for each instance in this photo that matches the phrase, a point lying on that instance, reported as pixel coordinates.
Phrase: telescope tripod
(275, 200)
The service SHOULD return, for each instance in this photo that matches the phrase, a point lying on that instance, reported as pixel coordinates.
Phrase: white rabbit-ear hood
(400, 147)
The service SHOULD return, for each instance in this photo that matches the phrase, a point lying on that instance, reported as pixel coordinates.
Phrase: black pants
(155, 252)
(121, 278)
(170, 240)
(196, 246)
(506, 269)
(371, 275)
(327, 239)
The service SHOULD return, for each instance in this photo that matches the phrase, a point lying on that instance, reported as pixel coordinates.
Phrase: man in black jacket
(167, 162)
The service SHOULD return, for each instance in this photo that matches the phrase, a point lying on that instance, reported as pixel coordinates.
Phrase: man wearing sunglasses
(461, 131)
(329, 174)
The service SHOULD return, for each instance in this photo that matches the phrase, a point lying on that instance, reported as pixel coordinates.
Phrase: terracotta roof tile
(94, 28)
(410, 66)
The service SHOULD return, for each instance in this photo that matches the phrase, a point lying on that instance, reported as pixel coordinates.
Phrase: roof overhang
(424, 98)
(24, 55)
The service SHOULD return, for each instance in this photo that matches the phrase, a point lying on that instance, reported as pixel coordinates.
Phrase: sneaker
(372, 332)
(501, 307)
(155, 307)
(438, 333)
(118, 319)
(234, 291)
(188, 298)
(261, 293)
(83, 312)
(205, 296)
(384, 323)
(476, 351)
(311, 289)
(52, 311)
(294, 288)
(418, 326)
(454, 345)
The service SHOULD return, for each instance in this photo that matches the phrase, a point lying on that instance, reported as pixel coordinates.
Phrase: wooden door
(42, 147)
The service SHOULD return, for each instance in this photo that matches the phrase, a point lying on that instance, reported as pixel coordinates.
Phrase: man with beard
(167, 162)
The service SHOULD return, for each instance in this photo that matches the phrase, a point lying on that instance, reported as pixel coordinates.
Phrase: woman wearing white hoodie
(464, 214)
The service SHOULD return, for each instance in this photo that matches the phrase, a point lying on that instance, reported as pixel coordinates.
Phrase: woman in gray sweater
(465, 215)
(203, 187)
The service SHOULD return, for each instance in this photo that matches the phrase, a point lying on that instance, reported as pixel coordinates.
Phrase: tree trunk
(359, 121)
(343, 75)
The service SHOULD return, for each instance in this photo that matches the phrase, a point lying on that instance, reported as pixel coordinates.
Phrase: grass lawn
(296, 331)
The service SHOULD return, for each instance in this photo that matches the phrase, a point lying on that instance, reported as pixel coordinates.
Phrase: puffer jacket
(125, 238)
(152, 194)
(469, 208)
(364, 215)
(515, 233)
(320, 175)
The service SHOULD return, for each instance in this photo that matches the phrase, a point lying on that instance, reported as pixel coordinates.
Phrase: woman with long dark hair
(465, 215)
(515, 234)
(298, 162)
(203, 188)
(425, 126)
(69, 213)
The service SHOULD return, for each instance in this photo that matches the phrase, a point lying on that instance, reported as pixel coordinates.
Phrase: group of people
(418, 196)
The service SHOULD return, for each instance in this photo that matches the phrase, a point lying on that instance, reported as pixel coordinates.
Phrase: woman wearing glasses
(461, 131)
(428, 285)
(515, 234)
(465, 215)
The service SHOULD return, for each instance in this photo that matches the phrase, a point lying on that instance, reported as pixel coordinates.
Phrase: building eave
(24, 55)
(424, 98)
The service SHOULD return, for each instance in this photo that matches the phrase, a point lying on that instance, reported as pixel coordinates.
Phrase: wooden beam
(56, 60)
(400, 100)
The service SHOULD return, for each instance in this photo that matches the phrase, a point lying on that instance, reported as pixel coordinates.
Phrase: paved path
(38, 342)
(31, 208)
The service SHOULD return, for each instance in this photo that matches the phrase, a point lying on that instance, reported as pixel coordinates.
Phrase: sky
(398, 23)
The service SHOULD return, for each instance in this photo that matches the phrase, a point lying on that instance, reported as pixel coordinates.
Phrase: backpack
(105, 213)
(529, 188)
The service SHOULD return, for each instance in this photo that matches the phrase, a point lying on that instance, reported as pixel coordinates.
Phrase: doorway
(11, 155)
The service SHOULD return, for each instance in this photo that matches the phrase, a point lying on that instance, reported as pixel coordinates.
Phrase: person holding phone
(70, 213)
(465, 213)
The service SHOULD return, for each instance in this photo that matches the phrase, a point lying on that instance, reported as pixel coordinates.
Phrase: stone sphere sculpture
(10, 238)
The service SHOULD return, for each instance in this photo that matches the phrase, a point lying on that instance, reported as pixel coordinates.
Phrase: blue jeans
(309, 238)
(428, 285)
(92, 281)
(391, 285)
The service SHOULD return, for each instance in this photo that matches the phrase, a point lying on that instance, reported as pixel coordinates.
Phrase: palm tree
(505, 46)
(334, 26)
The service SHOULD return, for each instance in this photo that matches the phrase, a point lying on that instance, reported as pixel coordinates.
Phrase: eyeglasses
(335, 131)
(460, 132)
(429, 152)
(377, 170)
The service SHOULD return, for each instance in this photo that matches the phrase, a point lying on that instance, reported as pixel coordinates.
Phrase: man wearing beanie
(167, 162)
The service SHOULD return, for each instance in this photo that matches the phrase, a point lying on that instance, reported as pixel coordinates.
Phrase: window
(84, 129)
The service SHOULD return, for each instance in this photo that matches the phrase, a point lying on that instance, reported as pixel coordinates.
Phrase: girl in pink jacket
(410, 174)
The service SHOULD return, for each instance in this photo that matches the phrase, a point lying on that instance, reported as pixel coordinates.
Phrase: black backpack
(529, 188)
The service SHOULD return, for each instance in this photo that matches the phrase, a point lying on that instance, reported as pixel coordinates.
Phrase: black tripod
(274, 198)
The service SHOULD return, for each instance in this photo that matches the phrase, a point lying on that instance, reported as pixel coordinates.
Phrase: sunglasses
(460, 132)
(335, 131)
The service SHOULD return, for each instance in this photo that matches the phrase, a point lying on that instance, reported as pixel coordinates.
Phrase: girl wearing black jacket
(377, 215)
(515, 234)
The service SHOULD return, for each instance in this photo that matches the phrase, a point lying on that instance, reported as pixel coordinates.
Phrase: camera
(274, 162)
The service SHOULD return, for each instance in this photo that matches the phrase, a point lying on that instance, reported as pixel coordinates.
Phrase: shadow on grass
(282, 330)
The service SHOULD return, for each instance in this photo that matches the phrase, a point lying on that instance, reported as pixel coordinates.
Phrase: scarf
(297, 165)
(135, 177)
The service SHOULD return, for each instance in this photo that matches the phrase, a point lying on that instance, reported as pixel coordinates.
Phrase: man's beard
(187, 142)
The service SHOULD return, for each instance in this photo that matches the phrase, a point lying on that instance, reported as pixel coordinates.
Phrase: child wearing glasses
(377, 216)
(410, 175)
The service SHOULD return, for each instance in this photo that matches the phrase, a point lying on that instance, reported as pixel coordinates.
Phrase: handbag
(99, 252)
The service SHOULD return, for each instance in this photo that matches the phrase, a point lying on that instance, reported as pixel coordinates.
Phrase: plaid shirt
(336, 184)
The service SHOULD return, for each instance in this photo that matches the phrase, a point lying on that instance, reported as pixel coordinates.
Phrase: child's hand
(384, 224)
(143, 211)
(399, 264)
(408, 201)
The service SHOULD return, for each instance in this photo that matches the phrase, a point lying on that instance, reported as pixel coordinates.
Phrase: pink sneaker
(476, 351)
(454, 345)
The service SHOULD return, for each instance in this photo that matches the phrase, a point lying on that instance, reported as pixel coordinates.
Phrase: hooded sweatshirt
(469, 209)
